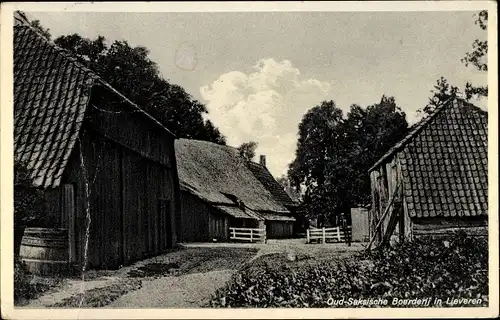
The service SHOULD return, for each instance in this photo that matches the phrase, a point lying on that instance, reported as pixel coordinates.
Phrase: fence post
(324, 236)
(308, 236)
(251, 235)
(338, 234)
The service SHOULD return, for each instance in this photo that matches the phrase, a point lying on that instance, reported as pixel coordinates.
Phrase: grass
(28, 287)
(99, 297)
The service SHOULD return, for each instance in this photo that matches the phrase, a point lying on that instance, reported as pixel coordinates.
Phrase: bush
(22, 280)
(455, 267)
(28, 203)
(28, 200)
(27, 286)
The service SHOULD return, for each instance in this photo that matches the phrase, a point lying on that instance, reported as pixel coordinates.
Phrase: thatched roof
(266, 178)
(219, 176)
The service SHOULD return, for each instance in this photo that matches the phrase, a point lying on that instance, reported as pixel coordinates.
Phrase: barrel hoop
(62, 233)
(45, 261)
(37, 242)
(47, 229)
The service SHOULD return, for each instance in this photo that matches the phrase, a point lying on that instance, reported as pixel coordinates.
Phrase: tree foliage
(44, 32)
(334, 153)
(442, 92)
(247, 150)
(371, 133)
(284, 182)
(131, 71)
(28, 203)
(478, 58)
(318, 153)
(28, 200)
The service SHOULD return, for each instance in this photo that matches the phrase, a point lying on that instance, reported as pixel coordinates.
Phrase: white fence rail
(324, 235)
(248, 234)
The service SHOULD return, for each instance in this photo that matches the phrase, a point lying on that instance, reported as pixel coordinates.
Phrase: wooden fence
(335, 234)
(247, 234)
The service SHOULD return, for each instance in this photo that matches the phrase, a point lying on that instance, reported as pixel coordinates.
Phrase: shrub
(28, 200)
(455, 267)
(22, 289)
(27, 286)
(28, 203)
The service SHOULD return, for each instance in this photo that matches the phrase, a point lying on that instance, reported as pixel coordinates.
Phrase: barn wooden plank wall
(386, 184)
(200, 222)
(279, 229)
(132, 200)
(119, 123)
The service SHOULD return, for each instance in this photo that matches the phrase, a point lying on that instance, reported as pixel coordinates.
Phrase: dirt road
(187, 291)
(184, 278)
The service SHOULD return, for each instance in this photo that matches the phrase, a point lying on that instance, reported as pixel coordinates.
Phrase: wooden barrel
(45, 251)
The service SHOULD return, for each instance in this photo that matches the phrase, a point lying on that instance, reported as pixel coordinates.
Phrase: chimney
(263, 160)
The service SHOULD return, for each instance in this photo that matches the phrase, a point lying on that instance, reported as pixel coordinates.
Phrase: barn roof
(266, 178)
(444, 163)
(217, 175)
(51, 93)
(413, 132)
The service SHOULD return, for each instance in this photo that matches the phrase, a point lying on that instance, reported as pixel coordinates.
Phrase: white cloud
(265, 106)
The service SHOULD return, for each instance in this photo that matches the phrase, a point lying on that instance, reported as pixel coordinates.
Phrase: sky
(258, 73)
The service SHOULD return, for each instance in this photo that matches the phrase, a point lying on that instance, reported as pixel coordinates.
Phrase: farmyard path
(186, 278)
(187, 291)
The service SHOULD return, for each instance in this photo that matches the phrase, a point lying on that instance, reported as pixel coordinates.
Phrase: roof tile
(446, 162)
(50, 94)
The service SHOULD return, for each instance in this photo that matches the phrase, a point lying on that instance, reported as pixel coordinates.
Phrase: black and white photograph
(224, 159)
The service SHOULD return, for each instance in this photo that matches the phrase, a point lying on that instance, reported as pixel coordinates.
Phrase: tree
(478, 58)
(38, 27)
(44, 32)
(131, 71)
(442, 92)
(334, 154)
(283, 181)
(317, 155)
(247, 150)
(286, 184)
(371, 133)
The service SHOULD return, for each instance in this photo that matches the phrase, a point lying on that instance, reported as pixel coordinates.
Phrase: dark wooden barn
(104, 164)
(218, 191)
(277, 229)
(435, 180)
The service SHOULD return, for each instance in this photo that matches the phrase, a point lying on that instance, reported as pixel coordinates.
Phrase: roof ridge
(275, 182)
(199, 160)
(24, 22)
(417, 128)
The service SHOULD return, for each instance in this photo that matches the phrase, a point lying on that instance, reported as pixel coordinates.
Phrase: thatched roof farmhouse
(219, 191)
